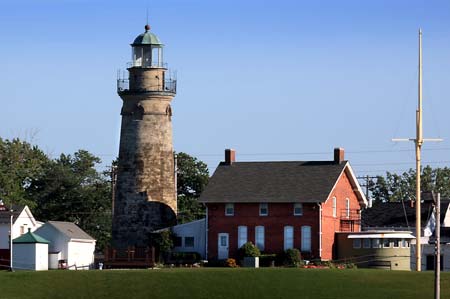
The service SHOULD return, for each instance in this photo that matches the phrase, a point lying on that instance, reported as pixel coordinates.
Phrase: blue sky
(275, 80)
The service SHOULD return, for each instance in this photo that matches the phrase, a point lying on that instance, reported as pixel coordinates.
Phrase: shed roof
(30, 237)
(291, 181)
(71, 230)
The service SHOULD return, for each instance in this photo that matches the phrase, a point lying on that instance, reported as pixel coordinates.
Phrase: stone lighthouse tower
(145, 197)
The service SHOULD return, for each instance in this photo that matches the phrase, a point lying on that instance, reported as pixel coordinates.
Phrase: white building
(30, 252)
(189, 237)
(23, 220)
(69, 243)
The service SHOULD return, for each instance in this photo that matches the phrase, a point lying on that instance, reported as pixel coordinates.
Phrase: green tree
(192, 177)
(395, 187)
(71, 189)
(20, 165)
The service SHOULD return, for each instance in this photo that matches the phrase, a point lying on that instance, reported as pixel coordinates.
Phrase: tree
(20, 165)
(192, 177)
(73, 190)
(68, 188)
(394, 187)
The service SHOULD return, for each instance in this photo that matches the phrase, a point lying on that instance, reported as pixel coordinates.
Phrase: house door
(223, 246)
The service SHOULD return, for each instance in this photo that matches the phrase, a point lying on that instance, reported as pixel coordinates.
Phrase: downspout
(206, 232)
(320, 230)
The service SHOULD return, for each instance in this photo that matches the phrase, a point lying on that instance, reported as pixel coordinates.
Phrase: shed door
(222, 246)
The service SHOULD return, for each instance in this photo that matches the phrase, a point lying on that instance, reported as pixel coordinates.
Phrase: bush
(292, 258)
(267, 260)
(184, 257)
(231, 263)
(248, 250)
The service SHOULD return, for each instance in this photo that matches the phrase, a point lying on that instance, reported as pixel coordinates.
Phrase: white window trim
(288, 230)
(379, 245)
(301, 207)
(334, 202)
(267, 209)
(226, 209)
(261, 244)
(399, 243)
(303, 245)
(242, 229)
(347, 207)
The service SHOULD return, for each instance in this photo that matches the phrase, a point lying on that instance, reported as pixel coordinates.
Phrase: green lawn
(222, 283)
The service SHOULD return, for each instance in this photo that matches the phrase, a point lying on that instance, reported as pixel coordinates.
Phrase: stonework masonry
(145, 197)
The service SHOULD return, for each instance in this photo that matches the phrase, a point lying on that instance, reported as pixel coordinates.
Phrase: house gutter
(320, 229)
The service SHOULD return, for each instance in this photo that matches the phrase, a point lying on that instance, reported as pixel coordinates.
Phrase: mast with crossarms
(418, 142)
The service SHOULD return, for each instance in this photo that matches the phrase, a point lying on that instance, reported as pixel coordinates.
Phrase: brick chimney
(230, 156)
(338, 155)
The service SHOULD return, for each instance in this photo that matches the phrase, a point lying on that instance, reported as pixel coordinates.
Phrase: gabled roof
(5, 215)
(30, 237)
(292, 181)
(71, 230)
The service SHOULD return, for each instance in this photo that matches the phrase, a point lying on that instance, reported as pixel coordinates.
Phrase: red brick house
(281, 205)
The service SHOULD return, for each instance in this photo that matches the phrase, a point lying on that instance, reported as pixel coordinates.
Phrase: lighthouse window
(155, 57)
(147, 57)
(137, 56)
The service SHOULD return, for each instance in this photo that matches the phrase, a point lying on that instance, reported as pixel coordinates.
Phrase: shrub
(248, 250)
(267, 260)
(231, 263)
(292, 258)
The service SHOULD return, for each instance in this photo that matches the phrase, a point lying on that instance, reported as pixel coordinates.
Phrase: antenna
(418, 142)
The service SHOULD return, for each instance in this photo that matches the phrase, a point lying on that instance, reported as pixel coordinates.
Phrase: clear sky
(275, 80)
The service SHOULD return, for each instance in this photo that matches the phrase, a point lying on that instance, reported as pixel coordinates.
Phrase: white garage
(75, 247)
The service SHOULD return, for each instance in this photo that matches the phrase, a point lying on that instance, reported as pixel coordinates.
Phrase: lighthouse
(145, 195)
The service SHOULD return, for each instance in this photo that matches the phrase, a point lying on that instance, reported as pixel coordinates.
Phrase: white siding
(58, 241)
(77, 254)
(196, 229)
(30, 256)
(80, 255)
(25, 220)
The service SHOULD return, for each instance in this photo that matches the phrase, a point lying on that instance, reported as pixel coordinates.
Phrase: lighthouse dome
(146, 38)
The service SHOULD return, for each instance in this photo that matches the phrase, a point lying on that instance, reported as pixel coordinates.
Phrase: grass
(222, 283)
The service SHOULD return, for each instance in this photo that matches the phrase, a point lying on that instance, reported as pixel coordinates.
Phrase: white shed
(30, 252)
(75, 247)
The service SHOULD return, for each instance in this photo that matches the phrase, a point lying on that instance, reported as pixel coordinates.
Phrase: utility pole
(437, 244)
(418, 142)
(113, 186)
(367, 179)
(11, 211)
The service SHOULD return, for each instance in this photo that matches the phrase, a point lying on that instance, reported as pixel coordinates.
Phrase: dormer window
(298, 209)
(229, 209)
(263, 209)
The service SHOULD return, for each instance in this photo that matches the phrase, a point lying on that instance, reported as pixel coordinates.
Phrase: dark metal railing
(169, 85)
(350, 214)
(147, 64)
